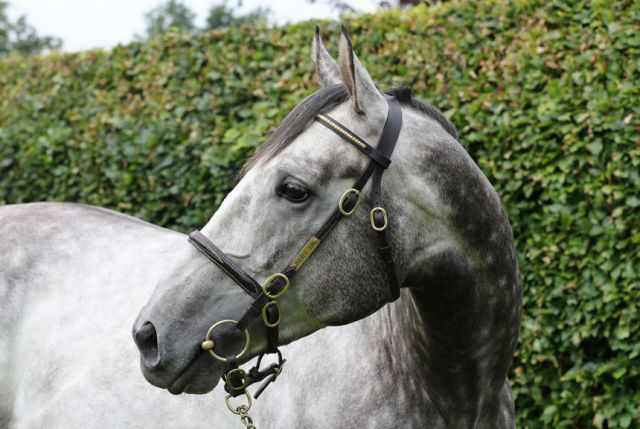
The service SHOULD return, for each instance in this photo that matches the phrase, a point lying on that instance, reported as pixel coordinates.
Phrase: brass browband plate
(344, 133)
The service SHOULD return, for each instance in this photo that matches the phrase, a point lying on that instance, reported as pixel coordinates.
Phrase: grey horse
(72, 276)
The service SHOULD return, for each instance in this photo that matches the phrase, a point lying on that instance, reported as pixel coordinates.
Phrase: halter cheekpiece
(265, 296)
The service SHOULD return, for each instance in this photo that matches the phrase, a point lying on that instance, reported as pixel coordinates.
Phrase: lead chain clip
(242, 410)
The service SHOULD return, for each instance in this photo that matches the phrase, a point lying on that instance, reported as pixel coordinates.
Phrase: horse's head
(289, 189)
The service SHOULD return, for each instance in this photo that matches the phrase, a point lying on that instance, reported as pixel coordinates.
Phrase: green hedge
(545, 95)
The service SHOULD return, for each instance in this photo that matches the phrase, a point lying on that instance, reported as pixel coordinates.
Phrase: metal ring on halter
(384, 216)
(272, 279)
(243, 377)
(265, 319)
(213, 327)
(343, 199)
(235, 411)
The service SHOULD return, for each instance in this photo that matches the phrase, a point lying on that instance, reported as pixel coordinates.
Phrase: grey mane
(324, 100)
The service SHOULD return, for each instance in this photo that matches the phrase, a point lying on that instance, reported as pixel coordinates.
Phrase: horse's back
(51, 248)
(72, 279)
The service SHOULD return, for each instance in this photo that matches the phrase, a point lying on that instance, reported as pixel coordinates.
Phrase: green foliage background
(545, 95)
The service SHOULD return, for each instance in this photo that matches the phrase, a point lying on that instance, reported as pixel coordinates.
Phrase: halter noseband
(265, 297)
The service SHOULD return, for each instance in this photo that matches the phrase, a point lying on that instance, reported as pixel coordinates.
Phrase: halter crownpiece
(264, 296)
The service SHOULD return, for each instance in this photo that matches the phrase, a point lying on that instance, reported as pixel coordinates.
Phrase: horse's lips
(181, 382)
(192, 372)
(177, 386)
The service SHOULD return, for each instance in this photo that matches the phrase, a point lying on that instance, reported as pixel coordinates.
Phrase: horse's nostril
(147, 341)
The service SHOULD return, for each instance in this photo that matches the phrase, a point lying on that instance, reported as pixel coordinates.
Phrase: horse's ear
(326, 67)
(363, 93)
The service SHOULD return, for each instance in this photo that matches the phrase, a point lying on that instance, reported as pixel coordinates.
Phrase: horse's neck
(402, 332)
(412, 360)
(397, 335)
(453, 335)
(458, 324)
(369, 373)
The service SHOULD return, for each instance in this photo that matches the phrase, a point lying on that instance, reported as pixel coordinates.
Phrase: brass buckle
(344, 197)
(373, 222)
(208, 344)
(272, 279)
(243, 376)
(265, 319)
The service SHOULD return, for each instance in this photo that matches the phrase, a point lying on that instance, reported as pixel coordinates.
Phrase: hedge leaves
(546, 98)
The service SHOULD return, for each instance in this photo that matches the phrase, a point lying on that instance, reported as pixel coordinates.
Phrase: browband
(356, 141)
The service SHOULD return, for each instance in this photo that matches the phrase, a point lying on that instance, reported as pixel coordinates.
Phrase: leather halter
(264, 297)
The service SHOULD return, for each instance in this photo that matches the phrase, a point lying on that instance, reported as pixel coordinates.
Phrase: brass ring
(243, 375)
(384, 215)
(235, 411)
(213, 327)
(272, 279)
(344, 197)
(265, 319)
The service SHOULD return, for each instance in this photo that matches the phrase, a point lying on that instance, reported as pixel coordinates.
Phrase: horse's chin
(199, 378)
(194, 387)
(201, 375)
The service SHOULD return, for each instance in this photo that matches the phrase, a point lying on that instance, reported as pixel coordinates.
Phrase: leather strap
(226, 264)
(386, 145)
(373, 153)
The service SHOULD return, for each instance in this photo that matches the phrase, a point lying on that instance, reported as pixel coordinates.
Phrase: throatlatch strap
(392, 126)
(386, 145)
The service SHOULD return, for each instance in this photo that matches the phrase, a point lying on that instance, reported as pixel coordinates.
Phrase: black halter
(265, 296)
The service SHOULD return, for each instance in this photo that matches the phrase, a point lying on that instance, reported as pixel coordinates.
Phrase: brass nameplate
(305, 252)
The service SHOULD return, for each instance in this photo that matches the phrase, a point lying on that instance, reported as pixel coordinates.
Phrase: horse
(435, 354)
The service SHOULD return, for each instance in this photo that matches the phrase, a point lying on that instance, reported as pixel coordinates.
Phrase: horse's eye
(293, 192)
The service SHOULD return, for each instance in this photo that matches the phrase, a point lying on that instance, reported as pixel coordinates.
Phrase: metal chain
(242, 411)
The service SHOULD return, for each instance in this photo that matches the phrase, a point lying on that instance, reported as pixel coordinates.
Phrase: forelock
(297, 121)
(323, 101)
